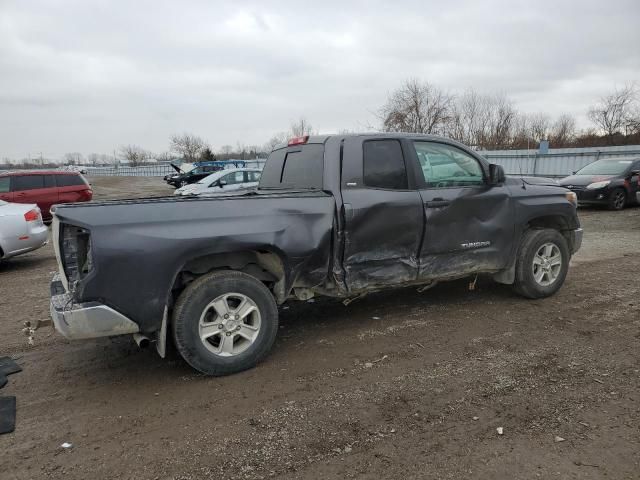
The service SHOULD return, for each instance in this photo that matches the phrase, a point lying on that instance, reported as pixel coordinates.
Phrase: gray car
(223, 182)
(21, 229)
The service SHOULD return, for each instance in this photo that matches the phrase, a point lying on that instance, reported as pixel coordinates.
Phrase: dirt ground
(400, 384)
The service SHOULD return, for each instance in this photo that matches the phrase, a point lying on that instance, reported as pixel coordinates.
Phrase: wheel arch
(558, 222)
(269, 265)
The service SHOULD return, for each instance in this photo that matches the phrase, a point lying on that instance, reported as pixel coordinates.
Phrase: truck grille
(76, 256)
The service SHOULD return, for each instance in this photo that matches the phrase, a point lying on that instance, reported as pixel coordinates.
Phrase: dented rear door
(383, 214)
(469, 223)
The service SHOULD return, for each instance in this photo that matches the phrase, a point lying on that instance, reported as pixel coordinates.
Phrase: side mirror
(496, 174)
(222, 183)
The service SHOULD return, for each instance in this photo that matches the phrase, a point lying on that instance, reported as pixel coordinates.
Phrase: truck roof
(324, 138)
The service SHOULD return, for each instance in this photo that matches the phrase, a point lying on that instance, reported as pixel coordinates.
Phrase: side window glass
(446, 166)
(49, 181)
(383, 165)
(68, 180)
(4, 184)
(27, 182)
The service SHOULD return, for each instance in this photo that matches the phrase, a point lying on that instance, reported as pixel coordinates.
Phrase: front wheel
(225, 322)
(542, 264)
(617, 199)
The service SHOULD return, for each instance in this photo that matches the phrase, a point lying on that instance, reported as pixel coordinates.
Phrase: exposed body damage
(142, 252)
(322, 222)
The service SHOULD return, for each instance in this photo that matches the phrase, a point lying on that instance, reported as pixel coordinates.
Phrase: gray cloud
(90, 76)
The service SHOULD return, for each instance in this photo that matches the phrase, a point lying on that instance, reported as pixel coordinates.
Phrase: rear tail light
(298, 140)
(76, 255)
(87, 195)
(32, 215)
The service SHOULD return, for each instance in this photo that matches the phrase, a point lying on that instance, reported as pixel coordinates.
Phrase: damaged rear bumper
(85, 320)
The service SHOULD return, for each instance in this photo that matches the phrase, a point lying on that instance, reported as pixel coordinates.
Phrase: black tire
(617, 199)
(194, 300)
(533, 240)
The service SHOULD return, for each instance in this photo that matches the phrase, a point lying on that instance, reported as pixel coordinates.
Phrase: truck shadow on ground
(119, 359)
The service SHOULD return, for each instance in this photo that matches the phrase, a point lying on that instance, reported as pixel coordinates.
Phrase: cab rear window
(298, 167)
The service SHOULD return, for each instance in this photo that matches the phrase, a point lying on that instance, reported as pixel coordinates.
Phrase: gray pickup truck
(338, 216)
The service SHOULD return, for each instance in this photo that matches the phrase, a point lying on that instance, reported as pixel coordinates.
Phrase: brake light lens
(298, 140)
(32, 215)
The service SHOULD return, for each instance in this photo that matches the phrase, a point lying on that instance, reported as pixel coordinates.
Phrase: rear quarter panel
(139, 248)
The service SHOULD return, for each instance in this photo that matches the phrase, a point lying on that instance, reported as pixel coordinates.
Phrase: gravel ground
(398, 385)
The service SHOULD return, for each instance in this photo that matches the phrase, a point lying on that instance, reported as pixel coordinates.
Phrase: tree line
(492, 122)
(483, 121)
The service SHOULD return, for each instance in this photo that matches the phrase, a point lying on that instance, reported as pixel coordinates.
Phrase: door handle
(437, 202)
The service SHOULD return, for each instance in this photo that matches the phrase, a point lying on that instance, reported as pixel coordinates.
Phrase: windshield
(298, 167)
(605, 167)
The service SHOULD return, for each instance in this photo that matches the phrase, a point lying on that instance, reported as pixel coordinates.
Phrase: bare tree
(301, 127)
(277, 139)
(226, 150)
(74, 158)
(614, 111)
(93, 159)
(134, 154)
(187, 145)
(501, 116)
(165, 157)
(416, 107)
(539, 126)
(563, 131)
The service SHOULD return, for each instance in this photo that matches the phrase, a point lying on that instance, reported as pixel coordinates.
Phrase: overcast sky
(90, 76)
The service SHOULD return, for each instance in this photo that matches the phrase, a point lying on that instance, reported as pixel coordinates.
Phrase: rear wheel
(225, 322)
(542, 264)
(617, 199)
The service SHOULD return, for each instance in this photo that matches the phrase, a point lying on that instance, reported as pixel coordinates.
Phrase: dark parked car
(182, 178)
(610, 182)
(338, 216)
(45, 188)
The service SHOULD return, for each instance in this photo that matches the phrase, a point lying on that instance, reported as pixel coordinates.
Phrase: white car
(21, 229)
(223, 181)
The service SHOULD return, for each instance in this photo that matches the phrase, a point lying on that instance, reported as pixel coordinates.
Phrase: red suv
(46, 188)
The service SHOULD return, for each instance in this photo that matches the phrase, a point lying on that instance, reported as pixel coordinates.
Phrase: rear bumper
(37, 237)
(85, 320)
(576, 239)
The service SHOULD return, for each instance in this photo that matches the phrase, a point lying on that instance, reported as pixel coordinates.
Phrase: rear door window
(4, 184)
(384, 165)
(69, 180)
(27, 182)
